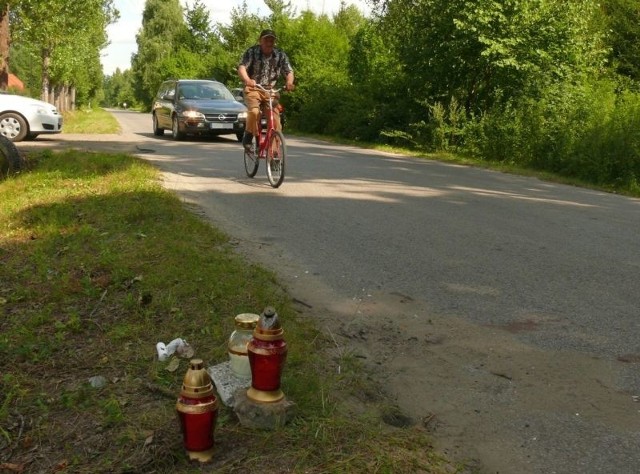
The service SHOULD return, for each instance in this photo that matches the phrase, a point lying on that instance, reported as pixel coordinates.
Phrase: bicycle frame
(264, 138)
(270, 145)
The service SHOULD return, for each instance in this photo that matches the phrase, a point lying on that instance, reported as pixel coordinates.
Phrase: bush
(445, 131)
(610, 152)
(589, 131)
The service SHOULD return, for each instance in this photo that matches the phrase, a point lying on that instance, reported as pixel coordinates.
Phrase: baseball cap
(266, 33)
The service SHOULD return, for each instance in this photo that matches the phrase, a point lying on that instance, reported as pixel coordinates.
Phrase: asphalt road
(358, 232)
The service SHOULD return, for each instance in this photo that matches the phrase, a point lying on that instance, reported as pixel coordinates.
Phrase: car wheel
(13, 126)
(175, 130)
(157, 131)
(10, 159)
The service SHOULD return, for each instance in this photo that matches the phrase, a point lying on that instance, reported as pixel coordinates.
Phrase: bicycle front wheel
(251, 162)
(276, 159)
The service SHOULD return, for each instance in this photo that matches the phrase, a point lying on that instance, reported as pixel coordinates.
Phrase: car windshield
(203, 91)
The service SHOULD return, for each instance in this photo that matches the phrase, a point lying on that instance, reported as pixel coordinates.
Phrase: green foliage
(183, 64)
(380, 83)
(448, 126)
(198, 36)
(26, 64)
(119, 90)
(472, 49)
(66, 36)
(622, 22)
(320, 77)
(235, 38)
(588, 131)
(162, 27)
(200, 50)
(241, 32)
(349, 20)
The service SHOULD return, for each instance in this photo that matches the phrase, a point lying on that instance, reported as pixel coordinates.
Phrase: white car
(25, 118)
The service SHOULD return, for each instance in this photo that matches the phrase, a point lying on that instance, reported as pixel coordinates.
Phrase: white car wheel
(13, 126)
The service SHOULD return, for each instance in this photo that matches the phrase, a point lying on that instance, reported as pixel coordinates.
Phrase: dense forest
(545, 84)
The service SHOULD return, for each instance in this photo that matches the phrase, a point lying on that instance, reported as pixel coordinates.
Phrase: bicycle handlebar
(270, 91)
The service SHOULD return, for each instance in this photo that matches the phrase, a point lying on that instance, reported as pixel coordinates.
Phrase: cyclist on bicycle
(262, 64)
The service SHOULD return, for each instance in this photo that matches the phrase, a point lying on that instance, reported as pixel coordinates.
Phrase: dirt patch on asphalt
(488, 398)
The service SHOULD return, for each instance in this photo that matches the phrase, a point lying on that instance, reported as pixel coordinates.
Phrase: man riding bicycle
(262, 64)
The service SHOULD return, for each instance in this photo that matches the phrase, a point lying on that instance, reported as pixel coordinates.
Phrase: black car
(238, 94)
(198, 107)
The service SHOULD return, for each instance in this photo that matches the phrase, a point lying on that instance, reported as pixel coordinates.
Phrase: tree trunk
(62, 105)
(4, 47)
(55, 100)
(66, 98)
(73, 98)
(46, 62)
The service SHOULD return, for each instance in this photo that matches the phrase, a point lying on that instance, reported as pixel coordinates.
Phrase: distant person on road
(262, 64)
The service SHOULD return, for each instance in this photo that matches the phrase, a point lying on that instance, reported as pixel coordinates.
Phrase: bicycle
(270, 146)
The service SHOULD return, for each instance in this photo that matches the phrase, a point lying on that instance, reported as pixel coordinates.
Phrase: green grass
(90, 121)
(98, 263)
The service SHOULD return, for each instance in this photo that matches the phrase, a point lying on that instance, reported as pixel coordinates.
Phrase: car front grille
(221, 117)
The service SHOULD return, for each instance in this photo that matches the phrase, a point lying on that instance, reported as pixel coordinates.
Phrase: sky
(122, 34)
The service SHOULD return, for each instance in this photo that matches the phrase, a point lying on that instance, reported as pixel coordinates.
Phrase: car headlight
(41, 110)
(242, 115)
(192, 114)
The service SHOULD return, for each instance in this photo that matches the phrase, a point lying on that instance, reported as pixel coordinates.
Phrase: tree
(481, 51)
(69, 35)
(235, 38)
(162, 27)
(203, 45)
(4, 44)
(198, 36)
(25, 63)
(119, 90)
(348, 20)
(282, 12)
(319, 51)
(622, 19)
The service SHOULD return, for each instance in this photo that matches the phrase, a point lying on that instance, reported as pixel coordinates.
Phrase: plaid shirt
(265, 70)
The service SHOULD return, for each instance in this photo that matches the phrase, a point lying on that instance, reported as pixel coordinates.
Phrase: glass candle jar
(245, 323)
(197, 408)
(267, 354)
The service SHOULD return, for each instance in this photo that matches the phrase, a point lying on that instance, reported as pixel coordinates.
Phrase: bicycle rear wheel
(251, 162)
(276, 159)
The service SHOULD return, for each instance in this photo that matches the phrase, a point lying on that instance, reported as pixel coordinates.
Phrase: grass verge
(90, 121)
(98, 263)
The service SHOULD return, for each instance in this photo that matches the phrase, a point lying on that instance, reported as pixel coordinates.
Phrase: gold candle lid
(197, 382)
(246, 320)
